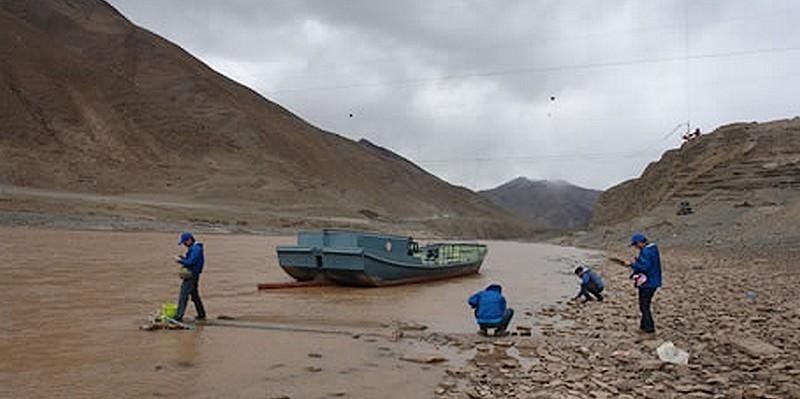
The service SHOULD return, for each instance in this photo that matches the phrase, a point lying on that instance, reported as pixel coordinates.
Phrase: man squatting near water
(591, 285)
(491, 310)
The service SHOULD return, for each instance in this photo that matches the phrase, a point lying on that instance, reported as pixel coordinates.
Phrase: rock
(509, 364)
(754, 392)
(315, 355)
(791, 391)
(540, 395)
(412, 326)
(755, 347)
(718, 380)
(650, 365)
(424, 358)
(456, 372)
(539, 377)
(225, 317)
(314, 369)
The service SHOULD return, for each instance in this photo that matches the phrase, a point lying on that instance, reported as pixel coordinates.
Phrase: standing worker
(491, 310)
(192, 267)
(591, 285)
(646, 274)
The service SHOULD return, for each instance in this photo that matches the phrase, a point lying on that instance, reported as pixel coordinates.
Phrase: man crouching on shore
(491, 310)
(591, 285)
(646, 274)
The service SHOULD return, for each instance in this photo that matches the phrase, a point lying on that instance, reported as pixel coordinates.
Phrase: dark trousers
(645, 299)
(591, 291)
(189, 287)
(502, 325)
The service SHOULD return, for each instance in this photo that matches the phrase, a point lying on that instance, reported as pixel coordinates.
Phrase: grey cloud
(464, 87)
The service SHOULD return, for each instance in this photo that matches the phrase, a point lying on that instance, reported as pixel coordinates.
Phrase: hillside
(546, 205)
(742, 181)
(94, 105)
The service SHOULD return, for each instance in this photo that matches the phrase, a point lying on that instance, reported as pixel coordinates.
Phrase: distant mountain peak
(545, 204)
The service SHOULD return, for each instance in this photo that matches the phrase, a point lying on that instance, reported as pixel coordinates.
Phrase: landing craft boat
(368, 259)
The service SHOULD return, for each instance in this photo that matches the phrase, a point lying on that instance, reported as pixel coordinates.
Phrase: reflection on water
(72, 302)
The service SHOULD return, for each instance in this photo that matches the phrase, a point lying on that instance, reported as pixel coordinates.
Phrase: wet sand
(73, 301)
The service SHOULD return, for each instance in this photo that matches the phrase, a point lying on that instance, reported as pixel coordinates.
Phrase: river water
(71, 303)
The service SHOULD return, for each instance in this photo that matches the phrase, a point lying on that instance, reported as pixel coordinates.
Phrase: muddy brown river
(71, 303)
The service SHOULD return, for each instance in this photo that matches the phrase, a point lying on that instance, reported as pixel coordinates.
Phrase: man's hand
(178, 258)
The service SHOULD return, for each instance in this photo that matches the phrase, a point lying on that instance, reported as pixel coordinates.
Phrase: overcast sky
(479, 92)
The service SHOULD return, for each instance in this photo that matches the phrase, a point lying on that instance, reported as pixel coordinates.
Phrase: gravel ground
(737, 316)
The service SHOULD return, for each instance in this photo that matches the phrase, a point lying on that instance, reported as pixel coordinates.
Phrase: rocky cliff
(741, 180)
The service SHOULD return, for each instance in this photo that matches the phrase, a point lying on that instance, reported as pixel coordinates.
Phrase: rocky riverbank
(737, 317)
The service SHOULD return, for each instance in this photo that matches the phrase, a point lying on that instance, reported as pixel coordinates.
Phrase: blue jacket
(489, 305)
(194, 260)
(649, 263)
(590, 276)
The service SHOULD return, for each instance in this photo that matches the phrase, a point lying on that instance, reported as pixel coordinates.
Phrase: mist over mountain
(545, 204)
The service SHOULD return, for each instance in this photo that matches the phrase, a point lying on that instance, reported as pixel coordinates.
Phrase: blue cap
(638, 237)
(185, 236)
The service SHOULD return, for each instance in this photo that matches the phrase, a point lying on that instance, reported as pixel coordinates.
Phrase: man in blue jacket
(193, 261)
(648, 263)
(591, 285)
(491, 310)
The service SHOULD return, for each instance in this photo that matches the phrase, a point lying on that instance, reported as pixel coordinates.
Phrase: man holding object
(646, 272)
(192, 266)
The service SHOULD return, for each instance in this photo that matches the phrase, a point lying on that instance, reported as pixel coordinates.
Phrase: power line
(645, 151)
(541, 69)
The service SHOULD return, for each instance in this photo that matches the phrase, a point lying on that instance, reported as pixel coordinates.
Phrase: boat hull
(301, 263)
(357, 268)
(384, 275)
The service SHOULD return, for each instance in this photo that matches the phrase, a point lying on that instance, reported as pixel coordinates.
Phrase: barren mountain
(742, 182)
(546, 205)
(92, 104)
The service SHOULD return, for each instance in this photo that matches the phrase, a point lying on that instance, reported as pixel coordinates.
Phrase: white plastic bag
(670, 353)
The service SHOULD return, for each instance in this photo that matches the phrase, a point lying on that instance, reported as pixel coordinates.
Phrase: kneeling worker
(491, 310)
(591, 285)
